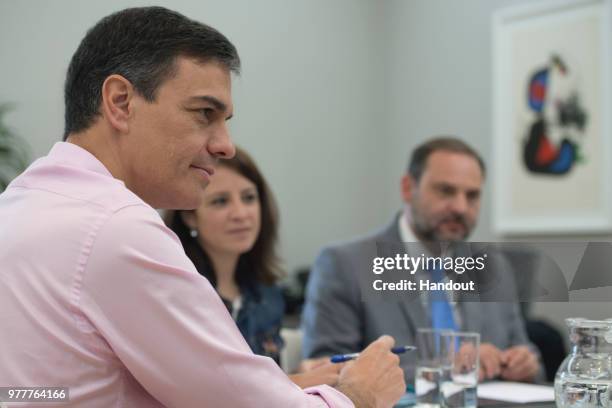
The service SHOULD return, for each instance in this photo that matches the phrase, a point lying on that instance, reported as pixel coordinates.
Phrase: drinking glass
(460, 366)
(432, 351)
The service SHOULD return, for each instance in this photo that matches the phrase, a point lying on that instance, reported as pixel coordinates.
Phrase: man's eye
(207, 113)
(473, 196)
(446, 191)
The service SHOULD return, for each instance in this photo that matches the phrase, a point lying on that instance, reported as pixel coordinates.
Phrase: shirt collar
(411, 242)
(69, 153)
(405, 231)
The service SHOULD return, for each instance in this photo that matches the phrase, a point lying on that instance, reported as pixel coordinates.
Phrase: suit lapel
(414, 313)
(411, 306)
(471, 316)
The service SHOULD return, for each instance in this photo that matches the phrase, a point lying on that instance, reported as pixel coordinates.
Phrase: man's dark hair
(141, 44)
(418, 160)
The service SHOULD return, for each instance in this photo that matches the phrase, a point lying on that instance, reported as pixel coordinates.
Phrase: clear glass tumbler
(431, 352)
(459, 378)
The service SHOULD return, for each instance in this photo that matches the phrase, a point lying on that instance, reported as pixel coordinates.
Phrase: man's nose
(459, 204)
(220, 144)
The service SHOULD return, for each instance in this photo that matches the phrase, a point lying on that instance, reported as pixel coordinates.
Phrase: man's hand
(519, 364)
(490, 362)
(324, 373)
(374, 379)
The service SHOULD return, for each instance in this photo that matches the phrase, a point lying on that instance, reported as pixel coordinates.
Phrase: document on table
(515, 392)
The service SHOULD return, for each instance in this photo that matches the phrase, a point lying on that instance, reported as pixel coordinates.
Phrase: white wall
(333, 96)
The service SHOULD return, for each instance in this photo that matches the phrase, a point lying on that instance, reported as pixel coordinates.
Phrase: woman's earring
(193, 233)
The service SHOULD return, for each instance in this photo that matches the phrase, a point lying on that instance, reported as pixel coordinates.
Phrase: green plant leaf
(14, 151)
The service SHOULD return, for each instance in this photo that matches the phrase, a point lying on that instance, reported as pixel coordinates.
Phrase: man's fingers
(519, 358)
(506, 356)
(490, 361)
(385, 341)
(374, 379)
(516, 356)
(492, 369)
(487, 368)
(379, 346)
(524, 369)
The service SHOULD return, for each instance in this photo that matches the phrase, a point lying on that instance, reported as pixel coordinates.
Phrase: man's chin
(182, 203)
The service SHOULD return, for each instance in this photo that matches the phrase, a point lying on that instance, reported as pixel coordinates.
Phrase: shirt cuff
(332, 397)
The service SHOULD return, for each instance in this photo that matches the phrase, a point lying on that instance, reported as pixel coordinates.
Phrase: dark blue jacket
(260, 319)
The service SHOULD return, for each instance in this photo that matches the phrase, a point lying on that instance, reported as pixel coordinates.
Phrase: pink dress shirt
(97, 295)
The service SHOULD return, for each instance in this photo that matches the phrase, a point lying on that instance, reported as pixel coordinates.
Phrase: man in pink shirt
(96, 294)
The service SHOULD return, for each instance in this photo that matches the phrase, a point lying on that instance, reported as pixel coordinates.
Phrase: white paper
(515, 392)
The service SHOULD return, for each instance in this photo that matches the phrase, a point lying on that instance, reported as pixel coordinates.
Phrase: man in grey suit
(441, 192)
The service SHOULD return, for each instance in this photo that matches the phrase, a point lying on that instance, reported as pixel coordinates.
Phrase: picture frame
(552, 132)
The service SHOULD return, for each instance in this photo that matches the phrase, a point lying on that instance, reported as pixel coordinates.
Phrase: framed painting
(552, 118)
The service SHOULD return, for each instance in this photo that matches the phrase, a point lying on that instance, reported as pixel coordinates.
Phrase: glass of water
(459, 377)
(432, 352)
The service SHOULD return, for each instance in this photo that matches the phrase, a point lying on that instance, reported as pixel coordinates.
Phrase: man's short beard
(423, 232)
(427, 233)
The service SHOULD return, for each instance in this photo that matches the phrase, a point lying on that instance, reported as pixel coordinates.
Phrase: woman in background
(231, 239)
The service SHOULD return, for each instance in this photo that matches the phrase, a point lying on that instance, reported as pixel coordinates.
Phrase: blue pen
(341, 358)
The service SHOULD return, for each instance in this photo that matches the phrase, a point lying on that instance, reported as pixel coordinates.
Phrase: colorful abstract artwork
(552, 145)
(552, 123)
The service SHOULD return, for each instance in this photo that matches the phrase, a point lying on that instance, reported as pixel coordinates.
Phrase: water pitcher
(584, 379)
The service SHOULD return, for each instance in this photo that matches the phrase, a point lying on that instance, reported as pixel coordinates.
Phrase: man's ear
(117, 100)
(189, 218)
(408, 187)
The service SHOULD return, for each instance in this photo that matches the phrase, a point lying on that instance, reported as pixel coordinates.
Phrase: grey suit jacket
(337, 318)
